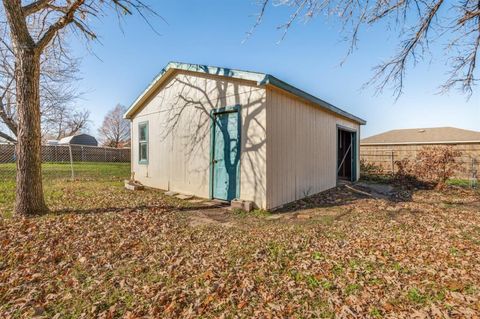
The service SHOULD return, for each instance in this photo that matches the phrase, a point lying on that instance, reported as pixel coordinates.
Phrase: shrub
(370, 170)
(437, 164)
(433, 165)
(405, 170)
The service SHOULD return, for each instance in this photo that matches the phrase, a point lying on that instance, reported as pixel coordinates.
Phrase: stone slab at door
(226, 155)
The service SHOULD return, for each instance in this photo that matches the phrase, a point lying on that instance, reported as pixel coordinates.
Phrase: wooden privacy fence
(384, 157)
(71, 153)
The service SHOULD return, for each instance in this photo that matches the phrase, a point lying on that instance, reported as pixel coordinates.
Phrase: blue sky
(212, 32)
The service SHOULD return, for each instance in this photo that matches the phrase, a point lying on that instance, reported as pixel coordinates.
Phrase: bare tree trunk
(29, 194)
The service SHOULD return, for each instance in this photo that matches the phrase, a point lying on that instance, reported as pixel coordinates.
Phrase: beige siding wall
(179, 134)
(301, 148)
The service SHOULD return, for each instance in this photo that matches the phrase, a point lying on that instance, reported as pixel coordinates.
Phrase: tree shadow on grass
(160, 208)
(335, 197)
(346, 195)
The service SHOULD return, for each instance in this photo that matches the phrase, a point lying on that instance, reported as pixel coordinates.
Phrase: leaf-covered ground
(340, 254)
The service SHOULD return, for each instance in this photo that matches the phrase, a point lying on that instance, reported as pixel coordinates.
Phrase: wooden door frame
(213, 113)
(355, 151)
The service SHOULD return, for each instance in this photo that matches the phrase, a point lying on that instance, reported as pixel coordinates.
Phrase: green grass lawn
(61, 192)
(82, 170)
(459, 182)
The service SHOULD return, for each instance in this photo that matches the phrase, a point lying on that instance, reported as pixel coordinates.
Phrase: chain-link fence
(384, 160)
(73, 162)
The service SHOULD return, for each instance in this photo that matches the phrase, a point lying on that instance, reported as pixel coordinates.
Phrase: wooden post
(473, 178)
(393, 163)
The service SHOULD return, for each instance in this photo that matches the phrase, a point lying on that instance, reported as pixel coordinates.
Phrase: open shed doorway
(346, 155)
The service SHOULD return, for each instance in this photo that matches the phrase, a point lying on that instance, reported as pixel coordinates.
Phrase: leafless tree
(59, 116)
(33, 27)
(115, 130)
(417, 22)
(64, 121)
(7, 91)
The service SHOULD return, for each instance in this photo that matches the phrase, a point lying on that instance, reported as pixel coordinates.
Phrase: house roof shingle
(434, 135)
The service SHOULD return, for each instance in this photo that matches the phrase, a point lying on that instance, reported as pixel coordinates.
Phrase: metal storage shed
(223, 133)
(80, 139)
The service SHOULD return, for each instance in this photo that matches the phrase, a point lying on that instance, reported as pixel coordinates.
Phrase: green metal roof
(260, 78)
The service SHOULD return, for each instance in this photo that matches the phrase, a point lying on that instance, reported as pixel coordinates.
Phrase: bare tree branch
(63, 21)
(7, 137)
(35, 7)
(57, 94)
(415, 23)
(259, 19)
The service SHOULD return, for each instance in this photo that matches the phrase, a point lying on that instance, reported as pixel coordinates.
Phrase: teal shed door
(226, 155)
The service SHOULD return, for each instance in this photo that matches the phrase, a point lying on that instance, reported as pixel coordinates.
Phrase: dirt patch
(335, 197)
(214, 216)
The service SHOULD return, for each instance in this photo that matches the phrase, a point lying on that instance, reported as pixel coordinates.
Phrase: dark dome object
(80, 139)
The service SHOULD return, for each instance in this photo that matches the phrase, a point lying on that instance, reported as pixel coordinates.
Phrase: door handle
(214, 161)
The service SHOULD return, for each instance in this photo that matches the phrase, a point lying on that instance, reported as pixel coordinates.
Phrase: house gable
(260, 79)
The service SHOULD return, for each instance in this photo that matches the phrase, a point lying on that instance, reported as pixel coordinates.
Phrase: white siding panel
(301, 150)
(179, 134)
(288, 148)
